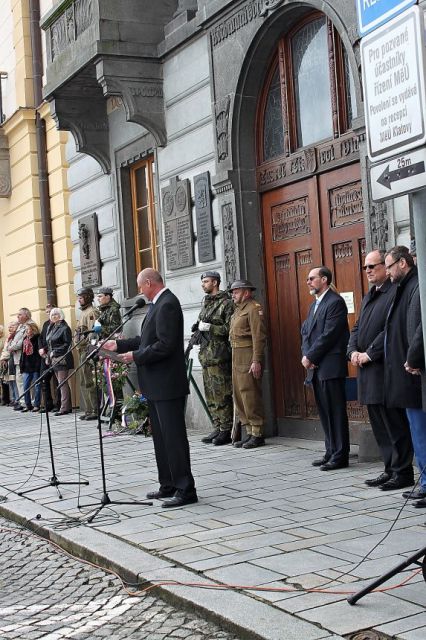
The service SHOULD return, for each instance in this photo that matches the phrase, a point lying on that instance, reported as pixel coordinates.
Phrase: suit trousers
(171, 445)
(392, 432)
(330, 398)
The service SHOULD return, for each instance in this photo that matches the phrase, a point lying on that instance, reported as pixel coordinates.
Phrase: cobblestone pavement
(46, 594)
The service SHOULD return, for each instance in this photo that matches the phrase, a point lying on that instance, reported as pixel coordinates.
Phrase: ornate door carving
(315, 221)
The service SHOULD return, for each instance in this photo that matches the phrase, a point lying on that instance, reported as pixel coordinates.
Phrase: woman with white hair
(59, 338)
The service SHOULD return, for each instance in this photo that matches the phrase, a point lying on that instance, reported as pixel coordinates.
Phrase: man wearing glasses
(366, 351)
(402, 389)
(325, 335)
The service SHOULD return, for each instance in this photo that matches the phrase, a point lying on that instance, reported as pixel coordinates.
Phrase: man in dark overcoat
(366, 351)
(159, 357)
(415, 365)
(402, 390)
(325, 335)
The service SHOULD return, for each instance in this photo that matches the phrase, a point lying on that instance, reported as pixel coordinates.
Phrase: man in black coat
(325, 335)
(366, 351)
(159, 357)
(402, 390)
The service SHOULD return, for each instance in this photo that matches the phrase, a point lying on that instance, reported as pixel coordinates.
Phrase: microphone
(96, 329)
(140, 302)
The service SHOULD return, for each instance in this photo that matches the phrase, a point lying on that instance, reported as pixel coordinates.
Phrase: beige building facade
(23, 235)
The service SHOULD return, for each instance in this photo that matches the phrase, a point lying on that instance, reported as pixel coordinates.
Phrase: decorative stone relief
(379, 226)
(222, 108)
(140, 86)
(5, 182)
(177, 220)
(69, 26)
(89, 251)
(229, 244)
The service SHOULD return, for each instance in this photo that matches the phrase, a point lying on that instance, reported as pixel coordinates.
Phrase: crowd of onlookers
(28, 353)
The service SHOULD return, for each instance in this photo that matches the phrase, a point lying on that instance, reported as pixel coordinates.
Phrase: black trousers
(392, 432)
(330, 398)
(171, 445)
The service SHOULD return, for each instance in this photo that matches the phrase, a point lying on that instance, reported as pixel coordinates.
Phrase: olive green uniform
(215, 359)
(110, 318)
(87, 386)
(247, 335)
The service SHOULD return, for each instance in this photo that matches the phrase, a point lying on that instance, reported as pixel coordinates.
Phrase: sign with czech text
(375, 13)
(394, 85)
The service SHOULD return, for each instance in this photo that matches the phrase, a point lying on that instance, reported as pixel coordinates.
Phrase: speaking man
(159, 358)
(325, 335)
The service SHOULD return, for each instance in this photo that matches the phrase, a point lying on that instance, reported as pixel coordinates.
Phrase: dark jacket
(59, 338)
(402, 389)
(367, 336)
(416, 350)
(158, 352)
(325, 336)
(42, 344)
(30, 363)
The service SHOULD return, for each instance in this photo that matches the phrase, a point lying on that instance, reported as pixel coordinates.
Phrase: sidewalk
(266, 517)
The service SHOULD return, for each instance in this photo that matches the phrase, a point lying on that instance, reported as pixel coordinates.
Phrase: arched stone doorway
(305, 199)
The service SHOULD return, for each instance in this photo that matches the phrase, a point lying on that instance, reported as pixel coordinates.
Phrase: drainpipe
(46, 218)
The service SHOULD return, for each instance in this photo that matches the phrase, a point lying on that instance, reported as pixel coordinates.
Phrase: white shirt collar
(155, 298)
(320, 297)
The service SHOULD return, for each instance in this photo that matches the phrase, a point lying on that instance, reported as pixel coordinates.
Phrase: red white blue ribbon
(108, 380)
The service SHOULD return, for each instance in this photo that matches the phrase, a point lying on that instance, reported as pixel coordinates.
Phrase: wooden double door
(312, 222)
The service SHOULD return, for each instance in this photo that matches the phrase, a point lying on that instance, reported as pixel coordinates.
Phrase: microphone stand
(53, 480)
(105, 500)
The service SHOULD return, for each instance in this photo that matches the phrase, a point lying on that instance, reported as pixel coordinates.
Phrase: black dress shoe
(224, 437)
(208, 439)
(161, 493)
(62, 413)
(376, 482)
(420, 504)
(415, 494)
(320, 461)
(397, 483)
(180, 500)
(331, 466)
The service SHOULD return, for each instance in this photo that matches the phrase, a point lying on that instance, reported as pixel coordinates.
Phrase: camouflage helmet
(242, 284)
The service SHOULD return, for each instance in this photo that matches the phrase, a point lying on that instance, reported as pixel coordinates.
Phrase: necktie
(316, 305)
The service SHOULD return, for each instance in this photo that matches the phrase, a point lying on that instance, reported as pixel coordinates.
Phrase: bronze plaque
(177, 218)
(90, 263)
(203, 212)
(290, 219)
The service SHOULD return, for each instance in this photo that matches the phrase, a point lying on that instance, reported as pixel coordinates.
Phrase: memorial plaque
(203, 212)
(89, 251)
(177, 219)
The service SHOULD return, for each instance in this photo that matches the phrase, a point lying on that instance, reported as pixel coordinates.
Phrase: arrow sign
(398, 175)
(388, 176)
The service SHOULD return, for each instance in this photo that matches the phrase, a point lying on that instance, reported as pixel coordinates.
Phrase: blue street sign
(374, 13)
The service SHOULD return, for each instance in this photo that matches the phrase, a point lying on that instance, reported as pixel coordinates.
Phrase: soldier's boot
(224, 437)
(208, 439)
(254, 442)
(243, 441)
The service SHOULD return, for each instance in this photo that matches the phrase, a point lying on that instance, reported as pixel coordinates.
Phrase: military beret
(107, 291)
(242, 284)
(211, 274)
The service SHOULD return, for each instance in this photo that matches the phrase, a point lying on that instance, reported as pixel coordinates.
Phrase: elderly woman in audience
(59, 338)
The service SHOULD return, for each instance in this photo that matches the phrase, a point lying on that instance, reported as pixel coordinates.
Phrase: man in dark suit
(325, 335)
(366, 351)
(159, 357)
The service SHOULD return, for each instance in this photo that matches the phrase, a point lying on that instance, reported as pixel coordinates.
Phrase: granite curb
(235, 611)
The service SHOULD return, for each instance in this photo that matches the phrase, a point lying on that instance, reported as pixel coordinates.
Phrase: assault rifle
(197, 337)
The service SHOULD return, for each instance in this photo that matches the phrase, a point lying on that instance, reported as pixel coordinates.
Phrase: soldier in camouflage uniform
(248, 338)
(215, 357)
(110, 317)
(85, 322)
